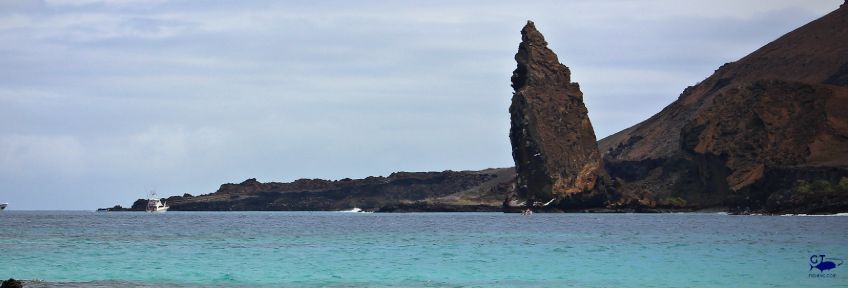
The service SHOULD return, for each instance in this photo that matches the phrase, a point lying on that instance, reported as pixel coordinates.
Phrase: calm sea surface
(327, 249)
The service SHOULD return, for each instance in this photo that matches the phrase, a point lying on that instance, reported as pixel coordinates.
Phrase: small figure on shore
(527, 212)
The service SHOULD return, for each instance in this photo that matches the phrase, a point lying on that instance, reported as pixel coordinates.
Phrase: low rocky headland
(446, 191)
(765, 134)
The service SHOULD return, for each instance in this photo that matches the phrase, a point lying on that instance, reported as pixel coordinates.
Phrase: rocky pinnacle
(553, 143)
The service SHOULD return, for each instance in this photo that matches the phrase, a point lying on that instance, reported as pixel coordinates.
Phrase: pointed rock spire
(530, 35)
(537, 65)
(553, 143)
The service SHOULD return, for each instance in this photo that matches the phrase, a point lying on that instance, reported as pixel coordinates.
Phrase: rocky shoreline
(415, 207)
(446, 191)
(12, 283)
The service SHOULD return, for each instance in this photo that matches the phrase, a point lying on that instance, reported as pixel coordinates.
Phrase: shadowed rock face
(553, 143)
(746, 136)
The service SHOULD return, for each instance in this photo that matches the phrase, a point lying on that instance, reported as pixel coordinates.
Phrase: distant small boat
(3, 206)
(154, 204)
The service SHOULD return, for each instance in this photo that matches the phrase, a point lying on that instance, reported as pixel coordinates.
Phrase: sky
(102, 101)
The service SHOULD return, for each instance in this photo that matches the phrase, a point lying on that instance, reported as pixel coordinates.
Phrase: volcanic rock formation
(553, 144)
(11, 283)
(756, 135)
(445, 191)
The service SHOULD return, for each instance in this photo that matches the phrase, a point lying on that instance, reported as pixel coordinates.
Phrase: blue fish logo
(824, 264)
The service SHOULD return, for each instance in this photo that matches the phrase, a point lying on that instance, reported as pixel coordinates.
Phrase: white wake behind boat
(154, 204)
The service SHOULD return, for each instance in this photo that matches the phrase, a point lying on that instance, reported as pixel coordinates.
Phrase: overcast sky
(103, 100)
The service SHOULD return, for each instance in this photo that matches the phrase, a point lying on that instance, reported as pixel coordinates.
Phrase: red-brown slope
(814, 53)
(781, 106)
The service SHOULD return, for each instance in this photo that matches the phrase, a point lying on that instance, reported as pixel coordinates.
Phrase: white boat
(356, 210)
(3, 206)
(154, 204)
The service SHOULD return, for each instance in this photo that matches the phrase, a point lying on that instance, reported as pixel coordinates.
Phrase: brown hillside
(784, 106)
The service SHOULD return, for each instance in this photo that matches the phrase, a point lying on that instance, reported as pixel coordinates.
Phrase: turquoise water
(326, 249)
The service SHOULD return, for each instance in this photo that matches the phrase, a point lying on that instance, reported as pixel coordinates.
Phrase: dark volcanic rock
(12, 283)
(749, 135)
(139, 205)
(428, 191)
(553, 143)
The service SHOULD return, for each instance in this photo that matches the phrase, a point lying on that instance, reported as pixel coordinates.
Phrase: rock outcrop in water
(766, 133)
(446, 191)
(11, 283)
(553, 143)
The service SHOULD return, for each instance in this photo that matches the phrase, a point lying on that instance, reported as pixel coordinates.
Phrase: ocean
(333, 249)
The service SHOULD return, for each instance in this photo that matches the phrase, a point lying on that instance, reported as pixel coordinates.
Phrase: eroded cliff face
(779, 113)
(553, 143)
